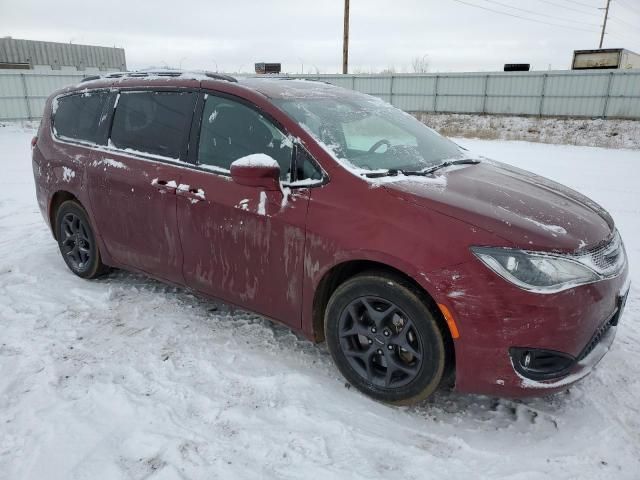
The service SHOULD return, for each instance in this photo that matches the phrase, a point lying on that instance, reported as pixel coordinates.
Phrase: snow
(109, 162)
(556, 229)
(67, 174)
(262, 204)
(305, 182)
(256, 160)
(569, 131)
(243, 204)
(125, 377)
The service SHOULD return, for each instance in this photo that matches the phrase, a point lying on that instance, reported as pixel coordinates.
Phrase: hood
(527, 210)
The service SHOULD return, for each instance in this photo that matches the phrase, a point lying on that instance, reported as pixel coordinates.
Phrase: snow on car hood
(530, 211)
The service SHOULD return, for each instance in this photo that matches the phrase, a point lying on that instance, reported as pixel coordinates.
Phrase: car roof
(270, 87)
(294, 88)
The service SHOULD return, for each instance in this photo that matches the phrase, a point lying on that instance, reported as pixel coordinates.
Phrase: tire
(77, 241)
(384, 339)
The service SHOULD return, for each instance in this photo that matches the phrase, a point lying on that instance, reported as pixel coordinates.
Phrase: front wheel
(384, 339)
(77, 242)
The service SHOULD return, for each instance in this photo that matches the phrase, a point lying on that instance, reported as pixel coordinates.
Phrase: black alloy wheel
(385, 339)
(380, 342)
(77, 241)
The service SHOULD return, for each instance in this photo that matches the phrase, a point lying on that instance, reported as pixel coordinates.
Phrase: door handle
(194, 195)
(164, 186)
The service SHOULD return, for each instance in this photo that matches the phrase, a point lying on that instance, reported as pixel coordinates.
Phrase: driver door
(242, 244)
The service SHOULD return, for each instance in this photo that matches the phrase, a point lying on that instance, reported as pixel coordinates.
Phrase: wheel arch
(345, 270)
(57, 199)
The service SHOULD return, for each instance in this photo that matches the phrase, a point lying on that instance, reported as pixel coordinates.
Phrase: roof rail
(306, 79)
(91, 77)
(221, 76)
(159, 73)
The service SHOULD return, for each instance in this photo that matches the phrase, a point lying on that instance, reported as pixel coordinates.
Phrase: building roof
(58, 55)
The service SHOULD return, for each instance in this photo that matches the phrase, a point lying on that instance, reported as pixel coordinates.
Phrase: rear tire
(384, 339)
(77, 241)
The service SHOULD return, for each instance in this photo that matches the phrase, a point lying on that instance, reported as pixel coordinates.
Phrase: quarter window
(153, 122)
(231, 130)
(79, 116)
(306, 168)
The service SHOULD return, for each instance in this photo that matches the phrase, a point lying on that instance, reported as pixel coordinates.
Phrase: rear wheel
(77, 241)
(384, 339)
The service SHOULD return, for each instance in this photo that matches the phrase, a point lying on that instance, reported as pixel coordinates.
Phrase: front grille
(595, 340)
(606, 259)
(602, 331)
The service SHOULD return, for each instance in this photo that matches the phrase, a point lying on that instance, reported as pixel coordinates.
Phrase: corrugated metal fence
(23, 95)
(596, 93)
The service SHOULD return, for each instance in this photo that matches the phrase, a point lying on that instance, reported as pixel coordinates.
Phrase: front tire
(384, 339)
(77, 241)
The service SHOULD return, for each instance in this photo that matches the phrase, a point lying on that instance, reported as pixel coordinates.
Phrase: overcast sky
(231, 35)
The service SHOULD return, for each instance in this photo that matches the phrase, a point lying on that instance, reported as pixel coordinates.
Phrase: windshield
(369, 134)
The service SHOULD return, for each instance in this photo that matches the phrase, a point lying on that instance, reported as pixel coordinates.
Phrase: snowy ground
(588, 132)
(128, 378)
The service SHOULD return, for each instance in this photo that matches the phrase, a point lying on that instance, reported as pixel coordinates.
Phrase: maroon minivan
(340, 216)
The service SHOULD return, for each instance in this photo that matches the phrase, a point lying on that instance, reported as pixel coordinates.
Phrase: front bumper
(499, 323)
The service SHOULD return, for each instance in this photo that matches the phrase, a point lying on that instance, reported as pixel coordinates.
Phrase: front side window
(369, 134)
(78, 116)
(153, 122)
(231, 130)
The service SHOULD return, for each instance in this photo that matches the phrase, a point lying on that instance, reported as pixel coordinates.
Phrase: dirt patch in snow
(567, 131)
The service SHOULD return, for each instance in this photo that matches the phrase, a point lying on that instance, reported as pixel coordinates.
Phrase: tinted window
(153, 122)
(231, 130)
(306, 168)
(78, 116)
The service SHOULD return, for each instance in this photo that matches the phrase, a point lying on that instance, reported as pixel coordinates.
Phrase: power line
(521, 17)
(555, 4)
(628, 7)
(583, 4)
(626, 39)
(542, 14)
(616, 19)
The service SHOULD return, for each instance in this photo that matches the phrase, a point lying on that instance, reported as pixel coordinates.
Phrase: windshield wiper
(448, 163)
(393, 172)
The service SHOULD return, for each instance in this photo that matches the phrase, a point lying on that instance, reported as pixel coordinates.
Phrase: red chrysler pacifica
(340, 216)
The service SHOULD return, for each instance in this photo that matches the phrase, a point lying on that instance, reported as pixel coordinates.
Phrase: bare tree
(420, 64)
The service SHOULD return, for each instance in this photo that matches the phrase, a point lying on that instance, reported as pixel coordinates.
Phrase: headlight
(539, 272)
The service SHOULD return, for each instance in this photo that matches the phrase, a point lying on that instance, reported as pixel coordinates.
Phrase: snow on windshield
(366, 134)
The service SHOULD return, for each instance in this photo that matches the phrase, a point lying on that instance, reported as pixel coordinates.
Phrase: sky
(230, 35)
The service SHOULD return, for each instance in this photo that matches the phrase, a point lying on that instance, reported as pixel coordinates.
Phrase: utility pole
(345, 39)
(604, 25)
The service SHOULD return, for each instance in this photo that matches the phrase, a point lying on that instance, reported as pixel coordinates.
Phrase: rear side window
(153, 122)
(79, 116)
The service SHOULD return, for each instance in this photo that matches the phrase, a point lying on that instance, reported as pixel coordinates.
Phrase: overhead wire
(628, 7)
(541, 14)
(556, 4)
(500, 12)
(581, 3)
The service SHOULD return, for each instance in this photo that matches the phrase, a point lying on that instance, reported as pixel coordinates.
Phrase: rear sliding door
(132, 183)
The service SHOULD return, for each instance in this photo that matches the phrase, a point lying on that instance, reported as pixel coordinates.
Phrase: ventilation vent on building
(14, 66)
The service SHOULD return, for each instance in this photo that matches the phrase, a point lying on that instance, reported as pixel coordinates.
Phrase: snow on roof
(167, 75)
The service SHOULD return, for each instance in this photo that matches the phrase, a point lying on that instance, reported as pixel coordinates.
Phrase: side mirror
(257, 170)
